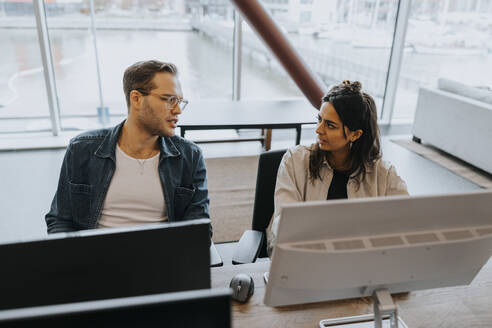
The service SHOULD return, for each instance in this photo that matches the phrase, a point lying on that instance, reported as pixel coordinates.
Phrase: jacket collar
(107, 148)
(353, 175)
(326, 164)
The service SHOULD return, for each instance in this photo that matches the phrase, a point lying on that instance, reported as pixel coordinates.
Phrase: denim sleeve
(198, 207)
(59, 218)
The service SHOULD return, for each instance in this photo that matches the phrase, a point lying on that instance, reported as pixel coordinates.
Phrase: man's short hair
(140, 75)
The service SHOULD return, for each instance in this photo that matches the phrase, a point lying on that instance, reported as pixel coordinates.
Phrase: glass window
(194, 35)
(22, 86)
(305, 17)
(445, 39)
(339, 40)
(74, 62)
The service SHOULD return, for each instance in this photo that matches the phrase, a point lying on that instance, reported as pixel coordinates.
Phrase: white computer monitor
(328, 250)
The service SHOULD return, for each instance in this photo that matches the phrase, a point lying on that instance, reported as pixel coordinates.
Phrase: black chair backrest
(265, 187)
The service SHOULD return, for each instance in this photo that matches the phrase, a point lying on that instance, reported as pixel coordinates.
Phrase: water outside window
(338, 39)
(22, 88)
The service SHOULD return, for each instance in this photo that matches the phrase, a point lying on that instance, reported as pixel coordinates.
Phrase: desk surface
(465, 306)
(247, 113)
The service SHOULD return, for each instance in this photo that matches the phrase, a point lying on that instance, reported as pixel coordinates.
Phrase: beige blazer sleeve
(395, 184)
(288, 189)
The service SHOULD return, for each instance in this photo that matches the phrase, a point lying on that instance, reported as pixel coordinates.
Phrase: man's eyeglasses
(171, 101)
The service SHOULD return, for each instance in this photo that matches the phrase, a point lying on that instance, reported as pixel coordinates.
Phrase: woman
(345, 162)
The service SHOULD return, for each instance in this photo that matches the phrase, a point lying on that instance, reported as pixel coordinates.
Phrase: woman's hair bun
(346, 88)
(354, 86)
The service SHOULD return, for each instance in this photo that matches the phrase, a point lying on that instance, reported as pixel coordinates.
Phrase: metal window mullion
(396, 58)
(103, 113)
(48, 68)
(237, 56)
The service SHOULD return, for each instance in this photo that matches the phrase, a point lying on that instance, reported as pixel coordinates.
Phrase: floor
(29, 177)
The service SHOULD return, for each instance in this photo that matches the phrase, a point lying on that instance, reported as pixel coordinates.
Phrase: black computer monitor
(200, 308)
(106, 263)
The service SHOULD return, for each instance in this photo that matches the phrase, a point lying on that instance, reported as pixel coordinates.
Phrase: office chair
(253, 242)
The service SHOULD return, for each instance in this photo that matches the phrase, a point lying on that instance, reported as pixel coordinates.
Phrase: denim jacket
(89, 165)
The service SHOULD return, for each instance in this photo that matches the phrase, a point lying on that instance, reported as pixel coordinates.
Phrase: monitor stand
(385, 315)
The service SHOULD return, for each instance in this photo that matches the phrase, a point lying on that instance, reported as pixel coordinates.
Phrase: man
(138, 171)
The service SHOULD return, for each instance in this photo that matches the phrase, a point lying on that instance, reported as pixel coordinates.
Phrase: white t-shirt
(135, 193)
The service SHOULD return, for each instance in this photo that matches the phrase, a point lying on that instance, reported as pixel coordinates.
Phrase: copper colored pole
(261, 21)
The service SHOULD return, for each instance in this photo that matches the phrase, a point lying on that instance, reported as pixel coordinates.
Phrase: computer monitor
(105, 263)
(357, 246)
(200, 308)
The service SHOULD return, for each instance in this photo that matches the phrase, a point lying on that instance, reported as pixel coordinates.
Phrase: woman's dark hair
(357, 110)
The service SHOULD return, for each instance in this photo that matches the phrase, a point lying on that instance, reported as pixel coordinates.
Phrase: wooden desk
(453, 307)
(247, 114)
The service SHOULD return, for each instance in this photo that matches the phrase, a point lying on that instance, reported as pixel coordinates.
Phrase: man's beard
(150, 124)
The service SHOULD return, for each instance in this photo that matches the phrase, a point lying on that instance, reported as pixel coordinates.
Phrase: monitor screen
(200, 308)
(105, 263)
(356, 246)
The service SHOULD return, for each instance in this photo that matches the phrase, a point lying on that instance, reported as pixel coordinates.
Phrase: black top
(338, 186)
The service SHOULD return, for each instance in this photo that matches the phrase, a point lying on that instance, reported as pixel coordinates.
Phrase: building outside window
(338, 40)
(445, 39)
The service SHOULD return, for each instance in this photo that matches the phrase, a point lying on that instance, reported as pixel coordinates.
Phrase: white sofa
(456, 118)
